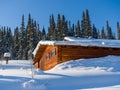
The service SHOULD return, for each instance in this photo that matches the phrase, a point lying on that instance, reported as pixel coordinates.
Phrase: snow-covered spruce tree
(22, 41)
(83, 25)
(36, 34)
(118, 31)
(1, 43)
(8, 41)
(103, 34)
(86, 29)
(88, 32)
(31, 34)
(72, 30)
(109, 31)
(94, 32)
(39, 34)
(51, 30)
(28, 35)
(16, 44)
(43, 34)
(64, 27)
(78, 29)
(58, 27)
(99, 35)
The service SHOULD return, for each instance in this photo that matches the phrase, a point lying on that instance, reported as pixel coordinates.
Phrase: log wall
(77, 52)
(63, 53)
(48, 60)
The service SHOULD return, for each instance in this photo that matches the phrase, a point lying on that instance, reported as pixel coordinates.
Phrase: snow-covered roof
(81, 42)
(7, 54)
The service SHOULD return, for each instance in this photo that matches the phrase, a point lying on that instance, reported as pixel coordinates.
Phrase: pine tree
(83, 25)
(31, 40)
(66, 28)
(113, 36)
(39, 34)
(78, 30)
(16, 44)
(4, 40)
(36, 36)
(69, 27)
(1, 43)
(94, 34)
(22, 41)
(72, 30)
(51, 30)
(103, 35)
(99, 36)
(109, 31)
(29, 32)
(43, 34)
(118, 31)
(9, 39)
(58, 28)
(63, 27)
(88, 32)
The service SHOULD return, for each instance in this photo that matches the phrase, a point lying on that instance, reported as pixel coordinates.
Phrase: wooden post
(7, 60)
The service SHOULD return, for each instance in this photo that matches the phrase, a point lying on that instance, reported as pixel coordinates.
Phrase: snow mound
(108, 63)
(33, 85)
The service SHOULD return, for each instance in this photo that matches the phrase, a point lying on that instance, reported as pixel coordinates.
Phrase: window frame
(53, 52)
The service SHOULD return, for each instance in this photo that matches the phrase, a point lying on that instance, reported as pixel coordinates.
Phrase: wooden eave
(39, 53)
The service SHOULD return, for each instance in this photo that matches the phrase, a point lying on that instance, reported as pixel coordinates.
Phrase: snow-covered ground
(84, 74)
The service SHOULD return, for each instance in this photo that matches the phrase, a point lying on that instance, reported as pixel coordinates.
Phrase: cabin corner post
(41, 64)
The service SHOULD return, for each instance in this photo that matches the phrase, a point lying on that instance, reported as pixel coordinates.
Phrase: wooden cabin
(50, 53)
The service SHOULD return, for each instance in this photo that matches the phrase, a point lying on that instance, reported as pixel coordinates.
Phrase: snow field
(84, 74)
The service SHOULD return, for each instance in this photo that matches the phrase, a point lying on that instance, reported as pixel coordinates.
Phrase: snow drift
(84, 74)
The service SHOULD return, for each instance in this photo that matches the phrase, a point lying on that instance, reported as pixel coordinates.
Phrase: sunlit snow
(84, 74)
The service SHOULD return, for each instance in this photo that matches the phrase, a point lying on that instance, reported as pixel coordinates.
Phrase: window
(53, 53)
(48, 56)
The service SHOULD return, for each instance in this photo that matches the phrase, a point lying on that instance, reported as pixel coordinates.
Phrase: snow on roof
(81, 42)
(7, 54)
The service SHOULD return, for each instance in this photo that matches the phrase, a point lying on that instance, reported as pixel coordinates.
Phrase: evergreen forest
(24, 39)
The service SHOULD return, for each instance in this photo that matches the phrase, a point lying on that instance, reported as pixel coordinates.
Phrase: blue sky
(99, 10)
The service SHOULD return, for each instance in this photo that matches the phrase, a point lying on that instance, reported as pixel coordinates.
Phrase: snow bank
(83, 74)
(108, 63)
